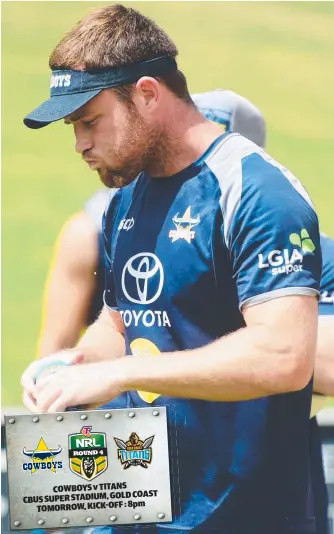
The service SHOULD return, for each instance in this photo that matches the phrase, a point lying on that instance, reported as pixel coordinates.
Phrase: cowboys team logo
(88, 453)
(134, 452)
(42, 458)
(184, 226)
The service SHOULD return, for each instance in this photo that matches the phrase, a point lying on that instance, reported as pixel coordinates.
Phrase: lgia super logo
(288, 260)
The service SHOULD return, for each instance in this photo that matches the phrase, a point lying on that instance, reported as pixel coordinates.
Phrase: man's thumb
(75, 358)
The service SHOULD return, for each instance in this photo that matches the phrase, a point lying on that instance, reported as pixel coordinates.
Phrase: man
(217, 277)
(74, 290)
(80, 245)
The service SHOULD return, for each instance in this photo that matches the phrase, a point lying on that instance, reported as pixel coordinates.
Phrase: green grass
(279, 55)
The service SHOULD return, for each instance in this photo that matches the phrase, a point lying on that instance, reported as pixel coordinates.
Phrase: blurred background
(277, 54)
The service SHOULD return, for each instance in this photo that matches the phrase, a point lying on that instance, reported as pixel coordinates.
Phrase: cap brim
(58, 107)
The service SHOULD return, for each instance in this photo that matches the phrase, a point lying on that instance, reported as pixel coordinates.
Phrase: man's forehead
(93, 106)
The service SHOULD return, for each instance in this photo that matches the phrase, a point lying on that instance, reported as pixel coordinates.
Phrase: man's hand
(69, 357)
(89, 384)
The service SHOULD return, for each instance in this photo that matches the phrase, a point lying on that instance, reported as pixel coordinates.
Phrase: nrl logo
(88, 453)
(184, 226)
(134, 452)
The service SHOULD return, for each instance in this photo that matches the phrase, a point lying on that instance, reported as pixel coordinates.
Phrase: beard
(116, 179)
(141, 149)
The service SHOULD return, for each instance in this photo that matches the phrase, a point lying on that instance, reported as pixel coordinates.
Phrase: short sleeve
(109, 295)
(271, 231)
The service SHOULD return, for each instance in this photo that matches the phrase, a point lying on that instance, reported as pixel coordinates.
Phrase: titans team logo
(88, 453)
(134, 451)
(184, 226)
(42, 458)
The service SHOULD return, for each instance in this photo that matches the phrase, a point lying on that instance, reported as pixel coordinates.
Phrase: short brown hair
(116, 35)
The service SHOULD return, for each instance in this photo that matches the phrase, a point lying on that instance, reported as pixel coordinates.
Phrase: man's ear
(147, 95)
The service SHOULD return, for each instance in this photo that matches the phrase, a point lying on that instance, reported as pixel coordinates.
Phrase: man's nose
(83, 141)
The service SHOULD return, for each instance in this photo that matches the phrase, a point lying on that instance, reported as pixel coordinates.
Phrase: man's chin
(113, 180)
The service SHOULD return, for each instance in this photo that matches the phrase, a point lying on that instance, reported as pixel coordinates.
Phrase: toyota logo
(143, 278)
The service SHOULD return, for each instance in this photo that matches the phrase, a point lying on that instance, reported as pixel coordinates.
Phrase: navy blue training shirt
(183, 255)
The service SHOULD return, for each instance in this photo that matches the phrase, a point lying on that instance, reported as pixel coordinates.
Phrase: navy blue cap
(72, 89)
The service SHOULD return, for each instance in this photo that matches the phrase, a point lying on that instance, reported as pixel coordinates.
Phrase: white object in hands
(49, 367)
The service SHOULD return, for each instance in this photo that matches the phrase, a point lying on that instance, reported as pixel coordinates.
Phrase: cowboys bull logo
(134, 452)
(88, 453)
(42, 458)
(184, 226)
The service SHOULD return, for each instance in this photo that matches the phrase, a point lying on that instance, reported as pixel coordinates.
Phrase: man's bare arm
(70, 286)
(273, 354)
(104, 339)
(324, 363)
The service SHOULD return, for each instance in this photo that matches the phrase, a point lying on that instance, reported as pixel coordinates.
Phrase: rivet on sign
(35, 419)
(113, 518)
(17, 523)
(83, 417)
(41, 522)
(155, 412)
(132, 414)
(89, 520)
(136, 517)
(65, 520)
(59, 418)
(107, 416)
(11, 421)
(161, 515)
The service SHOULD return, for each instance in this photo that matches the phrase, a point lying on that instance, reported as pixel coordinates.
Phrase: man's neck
(187, 135)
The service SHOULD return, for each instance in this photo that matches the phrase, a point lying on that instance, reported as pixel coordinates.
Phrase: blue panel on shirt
(183, 255)
(326, 305)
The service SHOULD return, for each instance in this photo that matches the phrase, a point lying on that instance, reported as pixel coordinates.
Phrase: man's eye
(90, 122)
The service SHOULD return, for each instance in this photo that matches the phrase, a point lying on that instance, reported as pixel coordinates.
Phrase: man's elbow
(297, 371)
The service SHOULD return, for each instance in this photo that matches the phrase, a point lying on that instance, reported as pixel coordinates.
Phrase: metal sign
(79, 469)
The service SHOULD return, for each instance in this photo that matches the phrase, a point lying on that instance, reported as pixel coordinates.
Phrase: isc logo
(86, 442)
(126, 224)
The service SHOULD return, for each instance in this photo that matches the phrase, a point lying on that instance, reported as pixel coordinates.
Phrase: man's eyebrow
(74, 118)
